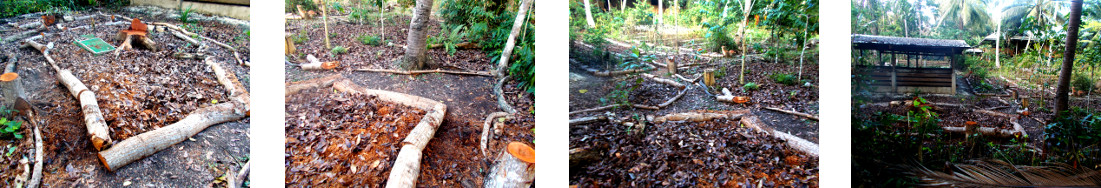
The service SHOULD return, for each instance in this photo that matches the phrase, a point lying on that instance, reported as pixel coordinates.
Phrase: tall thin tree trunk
(622, 6)
(661, 13)
(806, 26)
(381, 19)
(1061, 97)
(511, 42)
(415, 55)
(589, 14)
(745, 22)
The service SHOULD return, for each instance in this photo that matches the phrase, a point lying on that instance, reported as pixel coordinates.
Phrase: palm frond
(985, 173)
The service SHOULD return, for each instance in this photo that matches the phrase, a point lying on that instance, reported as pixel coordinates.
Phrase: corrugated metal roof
(875, 39)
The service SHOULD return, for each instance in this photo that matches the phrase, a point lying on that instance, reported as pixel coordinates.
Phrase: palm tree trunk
(1061, 97)
(415, 52)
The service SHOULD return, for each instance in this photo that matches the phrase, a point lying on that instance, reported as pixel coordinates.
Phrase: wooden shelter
(910, 65)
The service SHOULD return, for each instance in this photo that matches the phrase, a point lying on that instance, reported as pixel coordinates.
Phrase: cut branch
(587, 120)
(596, 109)
(416, 72)
(808, 116)
(663, 80)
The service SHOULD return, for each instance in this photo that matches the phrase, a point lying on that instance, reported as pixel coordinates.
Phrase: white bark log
(502, 65)
(148, 143)
(406, 167)
(487, 125)
(589, 15)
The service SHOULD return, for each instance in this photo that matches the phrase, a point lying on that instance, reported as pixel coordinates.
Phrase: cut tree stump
(136, 32)
(93, 117)
(288, 43)
(513, 169)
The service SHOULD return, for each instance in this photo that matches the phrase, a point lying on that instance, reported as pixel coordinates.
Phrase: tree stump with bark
(514, 169)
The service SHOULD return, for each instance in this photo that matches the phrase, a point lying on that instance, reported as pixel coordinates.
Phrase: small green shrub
(10, 128)
(1082, 82)
(300, 38)
(786, 79)
(185, 15)
(751, 86)
(339, 50)
(372, 40)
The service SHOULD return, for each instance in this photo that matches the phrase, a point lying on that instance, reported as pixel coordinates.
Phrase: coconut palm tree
(1061, 98)
(967, 14)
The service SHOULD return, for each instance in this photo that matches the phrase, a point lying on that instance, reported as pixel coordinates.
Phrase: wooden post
(894, 79)
(709, 78)
(671, 64)
(952, 68)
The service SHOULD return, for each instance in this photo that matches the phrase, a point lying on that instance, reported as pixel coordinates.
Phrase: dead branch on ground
(808, 116)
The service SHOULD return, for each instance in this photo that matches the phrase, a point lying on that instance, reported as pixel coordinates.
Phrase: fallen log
(148, 143)
(792, 141)
(587, 120)
(23, 35)
(663, 80)
(93, 117)
(416, 72)
(808, 116)
(692, 117)
(515, 168)
(491, 120)
(295, 87)
(184, 55)
(461, 45)
(406, 167)
(985, 131)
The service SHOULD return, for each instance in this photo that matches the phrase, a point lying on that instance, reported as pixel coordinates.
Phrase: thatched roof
(909, 45)
(908, 41)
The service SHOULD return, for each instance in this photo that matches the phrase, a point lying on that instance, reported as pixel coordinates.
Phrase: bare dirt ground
(453, 157)
(138, 91)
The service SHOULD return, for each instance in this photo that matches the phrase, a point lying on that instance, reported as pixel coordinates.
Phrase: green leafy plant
(185, 15)
(750, 86)
(786, 79)
(372, 40)
(10, 128)
(1081, 82)
(300, 38)
(338, 50)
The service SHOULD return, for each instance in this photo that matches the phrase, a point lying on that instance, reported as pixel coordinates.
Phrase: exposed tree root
(488, 125)
(236, 180)
(416, 72)
(501, 102)
(36, 174)
(808, 116)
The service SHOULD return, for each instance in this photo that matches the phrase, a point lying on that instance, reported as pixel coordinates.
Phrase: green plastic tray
(95, 45)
